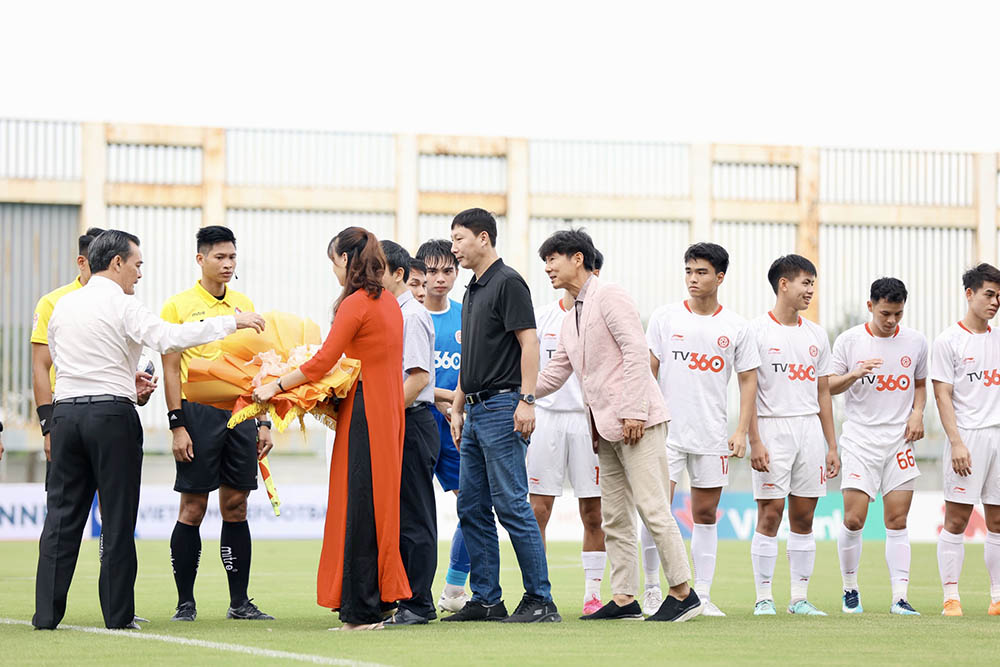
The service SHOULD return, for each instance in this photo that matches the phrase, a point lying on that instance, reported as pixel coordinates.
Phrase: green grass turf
(283, 584)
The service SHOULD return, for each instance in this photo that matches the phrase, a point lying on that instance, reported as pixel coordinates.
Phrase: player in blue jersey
(442, 271)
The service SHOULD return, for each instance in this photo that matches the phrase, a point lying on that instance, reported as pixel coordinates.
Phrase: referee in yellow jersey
(43, 374)
(208, 455)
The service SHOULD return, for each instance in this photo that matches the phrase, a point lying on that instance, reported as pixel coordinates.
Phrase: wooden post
(213, 177)
(985, 201)
(701, 192)
(807, 233)
(94, 150)
(407, 194)
(516, 238)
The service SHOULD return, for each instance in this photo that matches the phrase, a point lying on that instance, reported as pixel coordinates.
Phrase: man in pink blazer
(604, 344)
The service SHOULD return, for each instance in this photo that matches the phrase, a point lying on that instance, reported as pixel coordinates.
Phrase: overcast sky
(845, 73)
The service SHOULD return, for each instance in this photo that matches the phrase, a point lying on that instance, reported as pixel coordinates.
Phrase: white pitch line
(217, 646)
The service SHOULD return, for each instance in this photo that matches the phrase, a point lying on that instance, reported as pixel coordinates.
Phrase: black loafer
(131, 626)
(405, 617)
(612, 612)
(678, 611)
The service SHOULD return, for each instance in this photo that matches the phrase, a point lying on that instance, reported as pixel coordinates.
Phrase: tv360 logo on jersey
(701, 362)
(990, 378)
(799, 372)
(887, 382)
(447, 361)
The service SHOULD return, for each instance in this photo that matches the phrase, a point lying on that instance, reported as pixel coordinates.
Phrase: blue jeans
(493, 477)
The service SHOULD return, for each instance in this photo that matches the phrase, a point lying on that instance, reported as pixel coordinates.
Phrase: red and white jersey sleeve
(884, 397)
(970, 362)
(548, 323)
(698, 354)
(792, 358)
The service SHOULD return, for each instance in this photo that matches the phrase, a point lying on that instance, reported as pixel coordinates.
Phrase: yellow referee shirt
(196, 304)
(43, 311)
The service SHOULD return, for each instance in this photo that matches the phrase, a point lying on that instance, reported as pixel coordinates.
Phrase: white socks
(593, 572)
(897, 557)
(763, 555)
(849, 548)
(801, 561)
(453, 591)
(950, 553)
(704, 545)
(650, 557)
(991, 554)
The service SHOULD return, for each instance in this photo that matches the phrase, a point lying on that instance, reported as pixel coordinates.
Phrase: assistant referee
(96, 335)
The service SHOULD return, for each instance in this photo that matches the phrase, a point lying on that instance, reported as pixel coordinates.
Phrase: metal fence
(309, 159)
(38, 251)
(40, 149)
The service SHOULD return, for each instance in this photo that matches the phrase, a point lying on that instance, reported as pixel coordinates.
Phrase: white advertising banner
(22, 511)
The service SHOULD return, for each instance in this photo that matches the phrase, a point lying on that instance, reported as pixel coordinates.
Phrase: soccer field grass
(283, 584)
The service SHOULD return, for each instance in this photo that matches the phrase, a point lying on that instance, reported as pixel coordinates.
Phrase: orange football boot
(952, 608)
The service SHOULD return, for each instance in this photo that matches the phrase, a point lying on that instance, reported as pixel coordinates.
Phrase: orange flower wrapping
(249, 359)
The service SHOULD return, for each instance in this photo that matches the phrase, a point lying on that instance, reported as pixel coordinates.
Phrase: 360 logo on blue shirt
(447, 361)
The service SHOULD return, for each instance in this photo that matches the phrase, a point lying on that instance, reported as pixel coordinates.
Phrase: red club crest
(905, 362)
(813, 351)
(723, 342)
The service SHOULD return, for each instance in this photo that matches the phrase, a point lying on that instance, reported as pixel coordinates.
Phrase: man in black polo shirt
(492, 417)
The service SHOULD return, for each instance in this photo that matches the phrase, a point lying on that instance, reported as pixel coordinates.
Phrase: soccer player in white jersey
(965, 370)
(882, 367)
(794, 418)
(694, 347)
(562, 447)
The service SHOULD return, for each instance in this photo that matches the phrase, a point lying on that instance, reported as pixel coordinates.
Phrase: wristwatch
(527, 398)
(262, 422)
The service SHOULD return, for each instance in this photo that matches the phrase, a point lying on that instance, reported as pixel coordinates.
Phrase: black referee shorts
(221, 455)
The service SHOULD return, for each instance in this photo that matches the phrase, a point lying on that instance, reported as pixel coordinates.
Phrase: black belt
(486, 394)
(416, 407)
(100, 398)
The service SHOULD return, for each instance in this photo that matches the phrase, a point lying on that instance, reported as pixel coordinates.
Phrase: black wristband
(175, 419)
(45, 417)
(263, 422)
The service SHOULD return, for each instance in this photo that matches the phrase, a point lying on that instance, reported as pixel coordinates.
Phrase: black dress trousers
(417, 511)
(95, 446)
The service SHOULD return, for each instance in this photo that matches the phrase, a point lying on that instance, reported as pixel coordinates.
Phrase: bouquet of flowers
(247, 360)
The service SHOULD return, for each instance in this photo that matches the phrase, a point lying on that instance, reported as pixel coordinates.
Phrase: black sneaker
(185, 612)
(474, 610)
(140, 619)
(533, 610)
(676, 610)
(248, 611)
(612, 612)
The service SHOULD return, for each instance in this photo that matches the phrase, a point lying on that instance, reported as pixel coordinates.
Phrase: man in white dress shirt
(96, 335)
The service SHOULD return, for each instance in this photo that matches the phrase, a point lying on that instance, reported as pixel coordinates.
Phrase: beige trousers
(636, 477)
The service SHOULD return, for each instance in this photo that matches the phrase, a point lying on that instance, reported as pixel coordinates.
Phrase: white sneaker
(453, 604)
(651, 600)
(708, 608)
